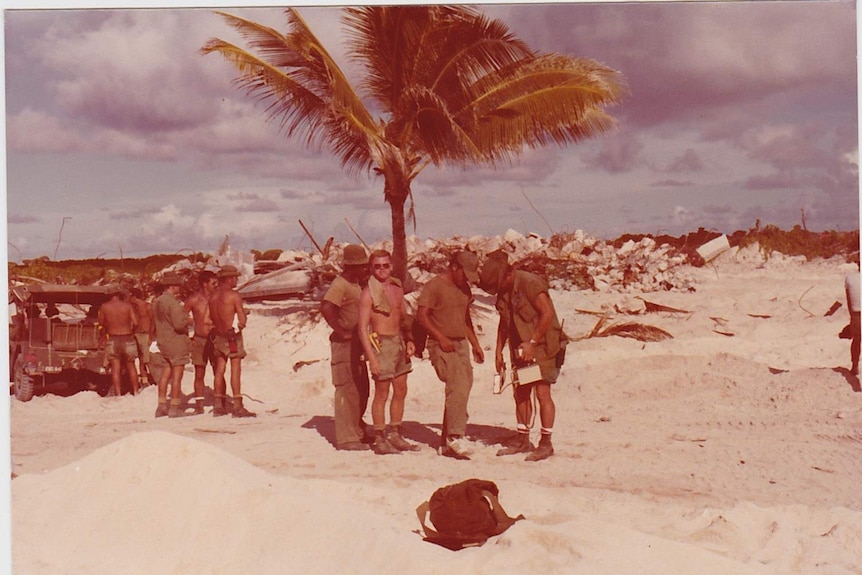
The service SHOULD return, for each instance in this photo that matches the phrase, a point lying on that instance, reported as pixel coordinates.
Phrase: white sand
(685, 456)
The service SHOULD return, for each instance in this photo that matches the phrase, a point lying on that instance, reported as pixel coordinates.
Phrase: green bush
(91, 271)
(801, 242)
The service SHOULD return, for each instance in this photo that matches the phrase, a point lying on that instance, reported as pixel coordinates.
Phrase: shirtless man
(145, 332)
(118, 319)
(225, 310)
(382, 316)
(202, 347)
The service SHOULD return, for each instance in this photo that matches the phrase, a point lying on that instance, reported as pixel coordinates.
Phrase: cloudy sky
(123, 139)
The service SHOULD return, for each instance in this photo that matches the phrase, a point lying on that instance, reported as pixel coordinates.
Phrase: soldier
(172, 337)
(528, 321)
(384, 330)
(118, 320)
(444, 312)
(202, 345)
(228, 320)
(145, 332)
(340, 309)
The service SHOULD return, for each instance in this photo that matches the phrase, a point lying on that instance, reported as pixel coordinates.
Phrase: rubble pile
(567, 261)
(572, 261)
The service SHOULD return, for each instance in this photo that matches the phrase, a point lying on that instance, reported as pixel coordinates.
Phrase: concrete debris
(713, 248)
(572, 261)
(569, 261)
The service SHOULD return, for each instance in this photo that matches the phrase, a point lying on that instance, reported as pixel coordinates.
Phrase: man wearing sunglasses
(384, 330)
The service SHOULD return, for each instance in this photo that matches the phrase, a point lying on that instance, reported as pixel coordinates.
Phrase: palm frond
(452, 85)
(303, 87)
(423, 124)
(548, 99)
(468, 50)
(294, 107)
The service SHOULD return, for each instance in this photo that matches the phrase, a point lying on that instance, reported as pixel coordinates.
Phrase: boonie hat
(228, 271)
(354, 255)
(492, 272)
(171, 279)
(469, 262)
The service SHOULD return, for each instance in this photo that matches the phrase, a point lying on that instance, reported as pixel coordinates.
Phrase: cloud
(134, 214)
(259, 205)
(687, 61)
(688, 161)
(244, 196)
(152, 95)
(777, 180)
(786, 146)
(36, 131)
(671, 183)
(617, 155)
(294, 195)
(743, 101)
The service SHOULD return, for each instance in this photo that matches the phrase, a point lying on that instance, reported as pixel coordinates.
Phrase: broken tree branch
(355, 233)
(311, 237)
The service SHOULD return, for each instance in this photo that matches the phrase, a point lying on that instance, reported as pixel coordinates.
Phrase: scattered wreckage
(66, 356)
(568, 261)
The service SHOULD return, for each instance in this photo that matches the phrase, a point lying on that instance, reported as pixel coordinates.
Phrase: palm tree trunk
(399, 234)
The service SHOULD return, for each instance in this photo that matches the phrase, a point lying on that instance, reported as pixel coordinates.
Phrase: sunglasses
(381, 266)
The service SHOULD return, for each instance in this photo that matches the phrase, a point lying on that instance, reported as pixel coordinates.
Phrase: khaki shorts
(143, 340)
(122, 347)
(221, 347)
(549, 369)
(202, 351)
(175, 350)
(392, 358)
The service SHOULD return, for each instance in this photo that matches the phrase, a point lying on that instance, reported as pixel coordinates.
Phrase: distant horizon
(310, 248)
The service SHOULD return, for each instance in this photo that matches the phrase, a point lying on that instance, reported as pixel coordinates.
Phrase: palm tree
(449, 85)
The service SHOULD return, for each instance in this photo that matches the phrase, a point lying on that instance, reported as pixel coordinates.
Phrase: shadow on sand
(852, 379)
(427, 434)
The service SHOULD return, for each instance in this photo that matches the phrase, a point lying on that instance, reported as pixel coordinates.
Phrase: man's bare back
(118, 317)
(144, 311)
(224, 305)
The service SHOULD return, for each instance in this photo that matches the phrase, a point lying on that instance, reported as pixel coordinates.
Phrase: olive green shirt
(172, 325)
(518, 305)
(345, 296)
(447, 306)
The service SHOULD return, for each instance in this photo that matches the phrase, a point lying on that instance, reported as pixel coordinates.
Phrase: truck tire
(23, 382)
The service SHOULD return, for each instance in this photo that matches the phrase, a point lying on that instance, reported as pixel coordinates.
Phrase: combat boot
(175, 410)
(521, 445)
(239, 410)
(543, 451)
(381, 445)
(218, 406)
(398, 442)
